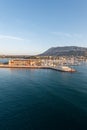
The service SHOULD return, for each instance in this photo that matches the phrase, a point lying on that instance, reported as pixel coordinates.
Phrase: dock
(62, 69)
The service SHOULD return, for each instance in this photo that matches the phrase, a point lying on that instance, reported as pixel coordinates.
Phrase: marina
(61, 63)
(59, 68)
(36, 64)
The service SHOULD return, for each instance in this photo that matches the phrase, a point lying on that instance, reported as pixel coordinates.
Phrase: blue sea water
(43, 99)
(4, 60)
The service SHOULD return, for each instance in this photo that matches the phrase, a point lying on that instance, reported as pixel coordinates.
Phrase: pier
(62, 69)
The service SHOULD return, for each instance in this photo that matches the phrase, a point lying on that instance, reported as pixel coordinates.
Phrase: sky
(32, 26)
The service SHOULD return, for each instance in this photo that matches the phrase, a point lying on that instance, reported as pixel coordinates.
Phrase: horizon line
(38, 53)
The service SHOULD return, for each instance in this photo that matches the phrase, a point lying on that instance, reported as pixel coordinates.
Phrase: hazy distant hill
(66, 51)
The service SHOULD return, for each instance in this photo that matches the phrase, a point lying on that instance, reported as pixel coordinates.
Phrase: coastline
(38, 67)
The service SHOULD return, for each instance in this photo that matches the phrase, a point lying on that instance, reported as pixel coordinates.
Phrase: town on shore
(44, 60)
(54, 62)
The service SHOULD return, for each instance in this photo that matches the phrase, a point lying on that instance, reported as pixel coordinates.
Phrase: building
(22, 62)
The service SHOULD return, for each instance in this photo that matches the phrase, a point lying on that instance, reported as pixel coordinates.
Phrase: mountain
(66, 51)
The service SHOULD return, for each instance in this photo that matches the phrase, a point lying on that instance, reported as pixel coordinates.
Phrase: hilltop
(65, 51)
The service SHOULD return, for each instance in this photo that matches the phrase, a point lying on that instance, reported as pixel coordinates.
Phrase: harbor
(36, 64)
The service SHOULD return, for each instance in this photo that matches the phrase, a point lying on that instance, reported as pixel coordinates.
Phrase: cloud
(78, 35)
(69, 35)
(11, 37)
(62, 34)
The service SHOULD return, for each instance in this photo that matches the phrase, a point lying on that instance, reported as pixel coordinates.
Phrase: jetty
(59, 68)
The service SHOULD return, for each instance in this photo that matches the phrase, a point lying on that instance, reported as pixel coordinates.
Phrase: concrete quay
(61, 68)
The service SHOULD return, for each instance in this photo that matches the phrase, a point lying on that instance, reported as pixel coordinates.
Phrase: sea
(43, 99)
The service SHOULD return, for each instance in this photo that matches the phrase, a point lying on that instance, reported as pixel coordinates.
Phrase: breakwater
(63, 68)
